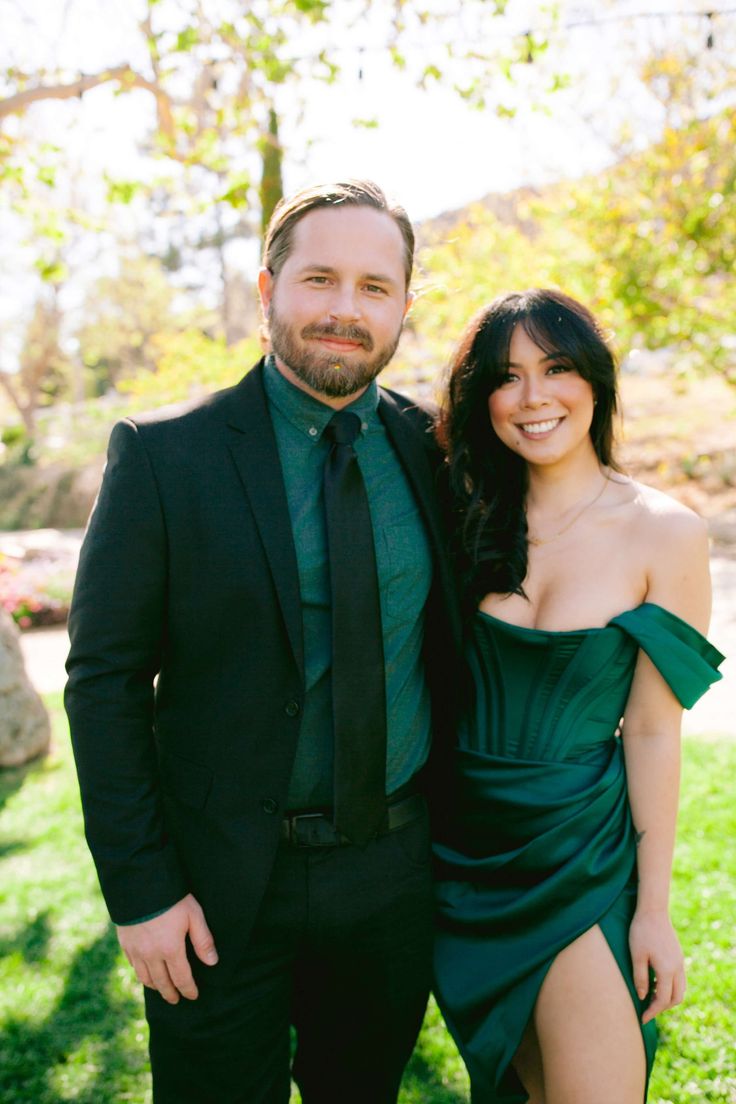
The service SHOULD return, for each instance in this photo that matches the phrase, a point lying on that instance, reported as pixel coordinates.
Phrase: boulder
(25, 731)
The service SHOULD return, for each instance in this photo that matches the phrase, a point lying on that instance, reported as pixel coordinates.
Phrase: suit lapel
(413, 453)
(252, 444)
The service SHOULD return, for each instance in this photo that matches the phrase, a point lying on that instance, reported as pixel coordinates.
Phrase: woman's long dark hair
(488, 481)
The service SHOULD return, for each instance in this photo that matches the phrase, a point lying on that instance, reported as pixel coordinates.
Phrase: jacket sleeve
(117, 629)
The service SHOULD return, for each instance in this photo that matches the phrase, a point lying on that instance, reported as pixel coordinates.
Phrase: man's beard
(325, 372)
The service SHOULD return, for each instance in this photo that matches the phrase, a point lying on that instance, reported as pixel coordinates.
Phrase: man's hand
(156, 949)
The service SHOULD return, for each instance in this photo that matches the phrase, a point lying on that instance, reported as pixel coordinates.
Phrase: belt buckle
(304, 831)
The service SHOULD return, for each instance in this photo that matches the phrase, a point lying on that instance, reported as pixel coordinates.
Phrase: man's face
(336, 308)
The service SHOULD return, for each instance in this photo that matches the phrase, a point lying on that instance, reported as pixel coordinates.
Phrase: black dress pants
(341, 950)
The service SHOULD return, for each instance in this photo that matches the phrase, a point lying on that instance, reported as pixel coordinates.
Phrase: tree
(663, 229)
(272, 185)
(122, 314)
(41, 375)
(219, 77)
(219, 74)
(649, 245)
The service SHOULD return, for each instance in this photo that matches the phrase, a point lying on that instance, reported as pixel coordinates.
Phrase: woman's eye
(555, 368)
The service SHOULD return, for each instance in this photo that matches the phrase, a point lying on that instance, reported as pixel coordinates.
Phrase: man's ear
(410, 299)
(265, 289)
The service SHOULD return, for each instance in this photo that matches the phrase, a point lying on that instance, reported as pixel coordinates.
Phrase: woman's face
(542, 408)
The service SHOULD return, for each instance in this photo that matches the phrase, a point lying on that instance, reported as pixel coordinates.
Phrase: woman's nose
(534, 392)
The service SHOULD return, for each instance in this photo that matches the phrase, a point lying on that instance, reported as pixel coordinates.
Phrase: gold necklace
(536, 541)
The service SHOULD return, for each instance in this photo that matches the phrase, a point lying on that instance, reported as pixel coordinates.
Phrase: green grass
(72, 1016)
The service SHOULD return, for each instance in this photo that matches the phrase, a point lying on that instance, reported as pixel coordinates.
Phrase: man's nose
(344, 304)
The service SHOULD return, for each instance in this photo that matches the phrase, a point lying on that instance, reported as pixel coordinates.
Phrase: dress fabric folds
(540, 844)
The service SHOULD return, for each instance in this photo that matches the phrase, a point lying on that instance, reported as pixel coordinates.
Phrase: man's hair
(349, 193)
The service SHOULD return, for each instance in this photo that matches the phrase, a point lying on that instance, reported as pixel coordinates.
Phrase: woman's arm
(679, 580)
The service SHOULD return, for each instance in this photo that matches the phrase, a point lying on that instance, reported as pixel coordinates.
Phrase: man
(261, 601)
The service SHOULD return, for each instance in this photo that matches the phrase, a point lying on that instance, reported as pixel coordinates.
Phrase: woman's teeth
(541, 427)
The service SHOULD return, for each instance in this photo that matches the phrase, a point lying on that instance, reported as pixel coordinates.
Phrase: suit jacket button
(269, 805)
(292, 708)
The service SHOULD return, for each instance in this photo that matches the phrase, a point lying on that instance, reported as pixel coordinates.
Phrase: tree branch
(124, 74)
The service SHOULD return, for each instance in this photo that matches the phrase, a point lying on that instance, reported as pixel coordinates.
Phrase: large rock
(25, 731)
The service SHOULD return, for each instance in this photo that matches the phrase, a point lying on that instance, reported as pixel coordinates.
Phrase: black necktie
(358, 682)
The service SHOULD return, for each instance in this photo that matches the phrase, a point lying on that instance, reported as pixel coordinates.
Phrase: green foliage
(72, 1014)
(122, 314)
(213, 77)
(662, 225)
(41, 375)
(650, 246)
(51, 269)
(122, 191)
(237, 193)
(14, 437)
(189, 364)
(463, 266)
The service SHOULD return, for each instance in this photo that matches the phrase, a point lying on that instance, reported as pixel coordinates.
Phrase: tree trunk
(272, 185)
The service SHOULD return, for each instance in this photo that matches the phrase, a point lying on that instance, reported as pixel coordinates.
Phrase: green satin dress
(540, 844)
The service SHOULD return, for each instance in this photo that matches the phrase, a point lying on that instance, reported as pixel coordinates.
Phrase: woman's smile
(541, 408)
(539, 429)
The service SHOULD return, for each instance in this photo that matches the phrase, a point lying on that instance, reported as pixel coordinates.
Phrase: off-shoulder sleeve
(686, 660)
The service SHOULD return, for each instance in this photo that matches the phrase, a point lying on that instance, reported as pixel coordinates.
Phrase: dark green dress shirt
(404, 564)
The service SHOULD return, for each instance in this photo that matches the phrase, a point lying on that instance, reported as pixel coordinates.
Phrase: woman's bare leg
(528, 1065)
(590, 1044)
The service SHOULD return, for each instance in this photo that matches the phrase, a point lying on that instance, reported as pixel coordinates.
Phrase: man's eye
(375, 289)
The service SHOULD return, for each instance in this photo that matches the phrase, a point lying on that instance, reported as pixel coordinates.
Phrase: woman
(588, 593)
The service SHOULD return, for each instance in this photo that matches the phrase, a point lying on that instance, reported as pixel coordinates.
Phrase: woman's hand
(654, 945)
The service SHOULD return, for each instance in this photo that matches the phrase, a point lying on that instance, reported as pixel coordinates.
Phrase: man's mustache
(343, 333)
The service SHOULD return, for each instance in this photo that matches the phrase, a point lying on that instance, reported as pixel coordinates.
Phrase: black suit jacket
(188, 576)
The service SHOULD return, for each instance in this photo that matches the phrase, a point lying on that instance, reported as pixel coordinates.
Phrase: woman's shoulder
(673, 544)
(655, 513)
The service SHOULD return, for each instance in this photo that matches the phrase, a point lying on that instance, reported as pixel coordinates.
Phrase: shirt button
(291, 708)
(270, 805)
(313, 431)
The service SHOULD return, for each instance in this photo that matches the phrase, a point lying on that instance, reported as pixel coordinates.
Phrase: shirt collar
(307, 414)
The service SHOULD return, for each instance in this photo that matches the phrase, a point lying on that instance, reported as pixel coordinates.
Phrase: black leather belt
(317, 830)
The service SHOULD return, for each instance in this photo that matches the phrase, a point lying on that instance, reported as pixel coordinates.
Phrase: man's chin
(337, 386)
(335, 380)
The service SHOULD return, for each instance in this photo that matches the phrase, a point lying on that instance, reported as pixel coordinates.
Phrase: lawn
(71, 1013)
